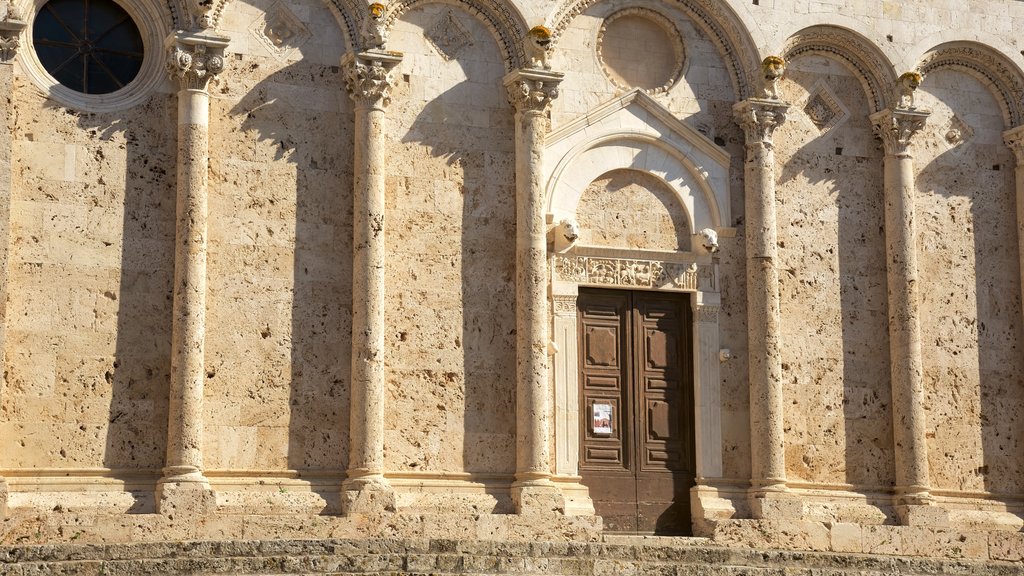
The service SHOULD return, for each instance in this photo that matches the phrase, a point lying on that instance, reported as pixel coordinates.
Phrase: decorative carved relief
(10, 30)
(908, 83)
(280, 30)
(632, 273)
(896, 127)
(564, 305)
(772, 69)
(957, 131)
(824, 109)
(758, 118)
(1014, 139)
(985, 63)
(374, 33)
(195, 60)
(709, 315)
(448, 36)
(717, 21)
(532, 90)
(537, 47)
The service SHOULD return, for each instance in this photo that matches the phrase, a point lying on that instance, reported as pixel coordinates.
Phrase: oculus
(89, 46)
(640, 48)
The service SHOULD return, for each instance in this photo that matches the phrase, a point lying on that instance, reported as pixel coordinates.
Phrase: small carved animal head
(540, 35)
(773, 68)
(569, 229)
(911, 80)
(377, 10)
(709, 240)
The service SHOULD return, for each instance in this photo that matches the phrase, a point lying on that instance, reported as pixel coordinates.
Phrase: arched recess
(634, 132)
(859, 54)
(716, 19)
(501, 18)
(992, 68)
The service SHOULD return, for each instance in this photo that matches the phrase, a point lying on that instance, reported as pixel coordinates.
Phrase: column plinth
(193, 60)
(895, 128)
(759, 117)
(531, 91)
(369, 80)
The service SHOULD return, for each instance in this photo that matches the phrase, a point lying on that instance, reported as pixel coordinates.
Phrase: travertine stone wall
(632, 209)
(451, 239)
(970, 286)
(835, 354)
(280, 257)
(91, 264)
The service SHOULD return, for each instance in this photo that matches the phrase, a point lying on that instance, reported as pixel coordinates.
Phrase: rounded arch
(501, 18)
(646, 153)
(989, 66)
(716, 19)
(871, 66)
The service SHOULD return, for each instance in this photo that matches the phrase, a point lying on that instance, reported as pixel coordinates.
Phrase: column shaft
(895, 128)
(368, 81)
(531, 92)
(759, 118)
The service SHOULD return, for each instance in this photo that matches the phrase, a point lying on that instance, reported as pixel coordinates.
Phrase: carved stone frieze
(448, 36)
(564, 305)
(195, 59)
(759, 118)
(632, 273)
(532, 90)
(10, 31)
(895, 128)
(369, 78)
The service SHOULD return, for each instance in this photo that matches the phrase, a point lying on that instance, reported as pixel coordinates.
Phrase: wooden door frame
(691, 273)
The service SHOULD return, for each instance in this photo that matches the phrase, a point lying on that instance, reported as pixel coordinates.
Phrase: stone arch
(501, 18)
(716, 19)
(989, 66)
(860, 55)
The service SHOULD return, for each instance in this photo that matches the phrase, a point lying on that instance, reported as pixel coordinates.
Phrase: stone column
(193, 60)
(10, 28)
(531, 92)
(895, 128)
(1014, 139)
(758, 117)
(369, 81)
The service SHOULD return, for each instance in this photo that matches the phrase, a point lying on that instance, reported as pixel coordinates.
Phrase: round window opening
(89, 46)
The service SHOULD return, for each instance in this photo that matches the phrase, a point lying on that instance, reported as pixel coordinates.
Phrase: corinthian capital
(1014, 138)
(194, 59)
(368, 76)
(895, 128)
(532, 89)
(10, 30)
(759, 117)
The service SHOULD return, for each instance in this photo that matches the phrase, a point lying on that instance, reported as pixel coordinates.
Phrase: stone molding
(10, 32)
(895, 128)
(532, 90)
(504, 23)
(195, 59)
(871, 67)
(634, 273)
(758, 118)
(564, 305)
(369, 78)
(989, 66)
(715, 19)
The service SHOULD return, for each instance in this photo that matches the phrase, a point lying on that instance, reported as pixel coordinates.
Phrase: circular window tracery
(640, 48)
(89, 46)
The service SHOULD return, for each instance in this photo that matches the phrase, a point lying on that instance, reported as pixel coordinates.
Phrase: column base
(184, 491)
(707, 507)
(367, 495)
(3, 499)
(774, 502)
(538, 497)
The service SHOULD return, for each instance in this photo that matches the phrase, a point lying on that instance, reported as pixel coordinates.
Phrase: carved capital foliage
(759, 118)
(1014, 139)
(10, 30)
(369, 78)
(895, 128)
(532, 90)
(194, 59)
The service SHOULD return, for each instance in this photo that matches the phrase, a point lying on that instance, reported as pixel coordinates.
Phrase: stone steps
(464, 558)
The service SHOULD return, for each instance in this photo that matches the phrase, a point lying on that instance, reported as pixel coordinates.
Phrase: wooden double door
(636, 407)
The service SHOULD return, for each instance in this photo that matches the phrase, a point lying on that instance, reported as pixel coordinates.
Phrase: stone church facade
(518, 269)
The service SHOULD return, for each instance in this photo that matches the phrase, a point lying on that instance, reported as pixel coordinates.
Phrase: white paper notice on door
(602, 418)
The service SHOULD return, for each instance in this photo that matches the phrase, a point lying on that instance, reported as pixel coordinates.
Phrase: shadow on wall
(138, 376)
(315, 141)
(836, 174)
(976, 169)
